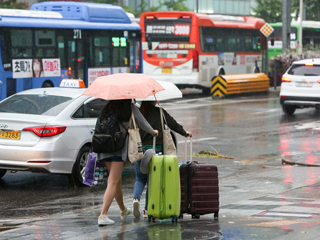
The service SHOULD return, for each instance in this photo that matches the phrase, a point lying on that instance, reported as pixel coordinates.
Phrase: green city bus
(310, 37)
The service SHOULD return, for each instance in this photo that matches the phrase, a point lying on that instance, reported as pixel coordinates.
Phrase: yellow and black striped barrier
(218, 86)
(239, 83)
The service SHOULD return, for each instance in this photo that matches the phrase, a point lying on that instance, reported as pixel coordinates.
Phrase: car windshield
(35, 104)
(303, 70)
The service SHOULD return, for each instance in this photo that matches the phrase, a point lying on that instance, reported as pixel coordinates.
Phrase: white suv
(300, 87)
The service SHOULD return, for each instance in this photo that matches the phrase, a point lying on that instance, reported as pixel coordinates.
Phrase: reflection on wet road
(260, 197)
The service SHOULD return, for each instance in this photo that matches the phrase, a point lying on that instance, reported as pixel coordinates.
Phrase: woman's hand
(189, 134)
(155, 133)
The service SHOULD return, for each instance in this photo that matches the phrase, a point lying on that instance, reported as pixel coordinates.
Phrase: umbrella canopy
(123, 86)
(170, 91)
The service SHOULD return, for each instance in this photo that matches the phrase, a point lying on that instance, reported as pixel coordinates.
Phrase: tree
(107, 1)
(269, 10)
(13, 4)
(312, 9)
(177, 5)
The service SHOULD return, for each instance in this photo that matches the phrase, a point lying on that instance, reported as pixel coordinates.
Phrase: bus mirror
(272, 41)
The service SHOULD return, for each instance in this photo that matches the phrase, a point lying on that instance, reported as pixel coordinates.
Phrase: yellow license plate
(10, 135)
(166, 70)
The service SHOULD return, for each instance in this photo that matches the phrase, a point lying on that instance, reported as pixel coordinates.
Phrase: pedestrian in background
(152, 115)
(115, 162)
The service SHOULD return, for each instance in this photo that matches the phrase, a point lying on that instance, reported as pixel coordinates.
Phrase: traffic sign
(266, 30)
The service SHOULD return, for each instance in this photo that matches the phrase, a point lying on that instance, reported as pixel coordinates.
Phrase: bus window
(102, 50)
(61, 51)
(21, 42)
(45, 42)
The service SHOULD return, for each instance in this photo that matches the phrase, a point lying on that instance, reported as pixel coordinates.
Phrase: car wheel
(47, 84)
(2, 172)
(289, 110)
(80, 165)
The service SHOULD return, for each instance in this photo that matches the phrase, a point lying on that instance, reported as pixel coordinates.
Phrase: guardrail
(239, 83)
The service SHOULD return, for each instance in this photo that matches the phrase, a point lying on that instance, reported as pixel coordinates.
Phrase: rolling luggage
(164, 188)
(199, 188)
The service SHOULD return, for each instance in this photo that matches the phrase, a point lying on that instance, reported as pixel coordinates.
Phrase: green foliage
(13, 4)
(177, 5)
(107, 1)
(269, 10)
(312, 9)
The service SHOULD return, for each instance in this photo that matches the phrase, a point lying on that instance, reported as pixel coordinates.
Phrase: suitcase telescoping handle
(185, 149)
(154, 144)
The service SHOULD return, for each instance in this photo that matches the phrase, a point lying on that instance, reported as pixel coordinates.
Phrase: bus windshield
(168, 30)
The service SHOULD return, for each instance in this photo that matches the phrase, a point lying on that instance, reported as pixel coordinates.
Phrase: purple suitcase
(199, 189)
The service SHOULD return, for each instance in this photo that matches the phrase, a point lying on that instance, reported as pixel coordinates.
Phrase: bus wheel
(221, 72)
(206, 91)
(47, 84)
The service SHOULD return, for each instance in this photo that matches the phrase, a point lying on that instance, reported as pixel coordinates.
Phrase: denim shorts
(112, 159)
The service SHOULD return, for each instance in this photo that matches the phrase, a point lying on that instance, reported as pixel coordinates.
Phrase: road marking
(288, 214)
(200, 139)
(207, 102)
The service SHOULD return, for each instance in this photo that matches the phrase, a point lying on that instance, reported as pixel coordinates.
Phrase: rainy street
(269, 180)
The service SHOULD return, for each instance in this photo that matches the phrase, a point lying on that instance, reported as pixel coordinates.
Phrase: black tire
(221, 72)
(47, 84)
(80, 165)
(206, 91)
(216, 215)
(289, 110)
(2, 172)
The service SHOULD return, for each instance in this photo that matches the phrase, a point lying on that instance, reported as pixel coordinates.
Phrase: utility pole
(286, 24)
(300, 27)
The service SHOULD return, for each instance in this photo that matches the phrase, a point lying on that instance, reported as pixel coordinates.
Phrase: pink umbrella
(123, 86)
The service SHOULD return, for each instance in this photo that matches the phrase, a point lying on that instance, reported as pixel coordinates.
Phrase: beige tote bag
(135, 145)
(168, 145)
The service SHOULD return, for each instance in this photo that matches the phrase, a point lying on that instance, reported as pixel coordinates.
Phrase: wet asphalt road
(260, 198)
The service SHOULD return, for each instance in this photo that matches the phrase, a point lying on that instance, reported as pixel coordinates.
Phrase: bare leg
(114, 189)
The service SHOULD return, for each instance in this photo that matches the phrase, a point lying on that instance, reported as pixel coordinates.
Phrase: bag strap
(163, 117)
(124, 127)
(132, 120)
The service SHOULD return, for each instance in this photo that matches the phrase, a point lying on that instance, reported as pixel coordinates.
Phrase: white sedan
(300, 87)
(47, 130)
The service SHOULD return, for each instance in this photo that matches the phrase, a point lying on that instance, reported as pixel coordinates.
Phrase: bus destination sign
(177, 29)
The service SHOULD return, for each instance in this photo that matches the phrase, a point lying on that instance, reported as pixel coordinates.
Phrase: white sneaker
(136, 208)
(145, 214)
(104, 221)
(124, 214)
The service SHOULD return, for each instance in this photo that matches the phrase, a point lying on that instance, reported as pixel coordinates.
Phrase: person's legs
(114, 189)
(141, 180)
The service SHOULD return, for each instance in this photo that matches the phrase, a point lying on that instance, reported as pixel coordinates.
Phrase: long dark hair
(121, 107)
(145, 107)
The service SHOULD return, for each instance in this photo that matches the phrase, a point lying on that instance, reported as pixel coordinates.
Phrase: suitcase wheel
(149, 218)
(174, 219)
(196, 215)
(216, 215)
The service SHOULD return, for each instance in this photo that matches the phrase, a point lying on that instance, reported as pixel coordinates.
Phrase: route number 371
(77, 34)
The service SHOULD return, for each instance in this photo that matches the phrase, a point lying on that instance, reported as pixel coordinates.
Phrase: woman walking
(115, 162)
(152, 115)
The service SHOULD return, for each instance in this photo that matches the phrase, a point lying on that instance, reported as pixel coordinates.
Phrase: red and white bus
(189, 49)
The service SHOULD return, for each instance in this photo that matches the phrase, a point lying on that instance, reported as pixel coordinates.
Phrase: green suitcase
(164, 188)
